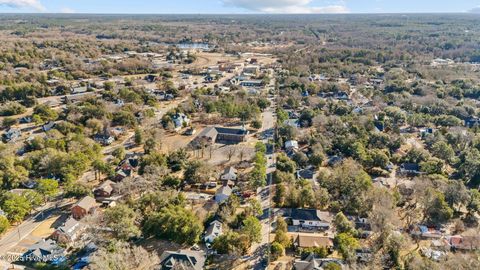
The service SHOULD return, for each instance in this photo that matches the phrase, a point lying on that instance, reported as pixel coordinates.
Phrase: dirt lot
(218, 154)
(205, 59)
(173, 141)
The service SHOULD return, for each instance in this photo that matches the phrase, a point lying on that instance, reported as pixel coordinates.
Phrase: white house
(214, 230)
(229, 174)
(222, 194)
(311, 218)
(291, 145)
(180, 120)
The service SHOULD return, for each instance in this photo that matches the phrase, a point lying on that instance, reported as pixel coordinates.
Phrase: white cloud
(23, 4)
(285, 6)
(67, 10)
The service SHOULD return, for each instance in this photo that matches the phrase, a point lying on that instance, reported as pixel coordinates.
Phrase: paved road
(265, 195)
(17, 234)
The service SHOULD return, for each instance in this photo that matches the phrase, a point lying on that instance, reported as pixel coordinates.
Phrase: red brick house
(85, 206)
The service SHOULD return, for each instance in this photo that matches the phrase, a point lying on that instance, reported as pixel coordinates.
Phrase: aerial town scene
(225, 134)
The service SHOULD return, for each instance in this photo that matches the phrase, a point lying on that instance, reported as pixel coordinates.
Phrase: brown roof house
(223, 135)
(464, 243)
(104, 190)
(85, 206)
(311, 241)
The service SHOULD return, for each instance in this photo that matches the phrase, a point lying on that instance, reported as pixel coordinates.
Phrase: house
(85, 206)
(317, 77)
(364, 255)
(159, 94)
(426, 131)
(29, 183)
(11, 135)
(362, 225)
(442, 62)
(379, 126)
(376, 81)
(251, 70)
(292, 122)
(69, 231)
(78, 90)
(229, 68)
(53, 82)
(214, 230)
(311, 218)
(229, 183)
(223, 194)
(464, 243)
(25, 120)
(306, 174)
(311, 262)
(126, 167)
(183, 259)
(252, 83)
(472, 122)
(410, 169)
(180, 120)
(104, 190)
(116, 132)
(211, 135)
(104, 139)
(151, 78)
(48, 126)
(422, 231)
(44, 251)
(169, 97)
(239, 79)
(120, 175)
(313, 241)
(341, 95)
(293, 115)
(291, 145)
(432, 254)
(229, 174)
(119, 102)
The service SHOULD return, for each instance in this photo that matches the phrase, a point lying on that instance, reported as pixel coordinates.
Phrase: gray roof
(313, 263)
(215, 228)
(310, 214)
(230, 170)
(226, 190)
(187, 258)
(209, 132)
(45, 248)
(70, 227)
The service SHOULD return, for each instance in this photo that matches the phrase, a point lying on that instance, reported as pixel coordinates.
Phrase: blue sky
(238, 6)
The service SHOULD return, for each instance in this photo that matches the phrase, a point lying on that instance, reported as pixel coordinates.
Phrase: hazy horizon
(239, 6)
